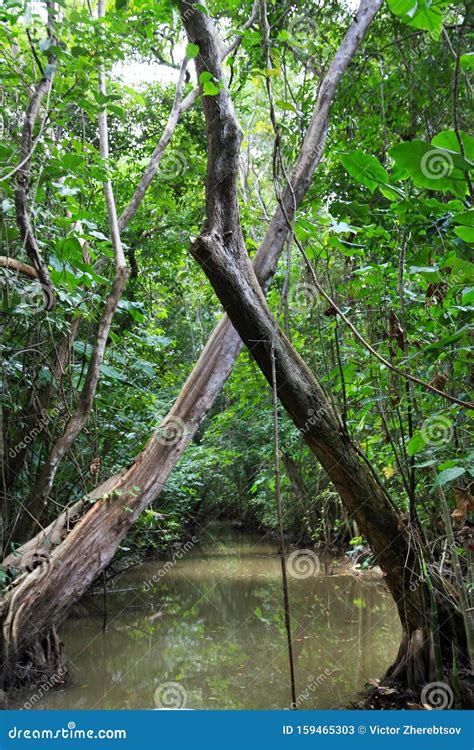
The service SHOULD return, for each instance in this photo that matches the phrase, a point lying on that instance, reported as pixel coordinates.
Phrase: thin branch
(155, 160)
(23, 173)
(276, 439)
(366, 345)
(180, 106)
(34, 53)
(104, 153)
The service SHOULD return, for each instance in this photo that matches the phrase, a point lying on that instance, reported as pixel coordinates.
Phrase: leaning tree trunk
(220, 250)
(58, 566)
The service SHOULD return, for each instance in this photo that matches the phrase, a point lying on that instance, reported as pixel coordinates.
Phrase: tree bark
(23, 186)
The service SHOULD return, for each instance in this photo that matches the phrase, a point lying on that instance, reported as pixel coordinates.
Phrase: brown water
(212, 624)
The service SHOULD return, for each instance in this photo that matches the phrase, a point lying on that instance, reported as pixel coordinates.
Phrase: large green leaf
(416, 444)
(466, 218)
(449, 475)
(467, 61)
(448, 139)
(445, 341)
(403, 8)
(364, 168)
(426, 15)
(367, 170)
(432, 167)
(465, 233)
(192, 50)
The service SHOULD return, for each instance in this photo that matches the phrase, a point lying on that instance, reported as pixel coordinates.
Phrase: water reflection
(214, 624)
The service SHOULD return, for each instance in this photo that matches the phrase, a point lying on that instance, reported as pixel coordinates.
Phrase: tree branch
(23, 173)
(16, 265)
(180, 106)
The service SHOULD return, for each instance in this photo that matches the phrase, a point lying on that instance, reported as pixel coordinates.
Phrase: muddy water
(212, 626)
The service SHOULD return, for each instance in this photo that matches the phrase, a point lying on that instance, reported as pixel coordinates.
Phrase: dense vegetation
(374, 288)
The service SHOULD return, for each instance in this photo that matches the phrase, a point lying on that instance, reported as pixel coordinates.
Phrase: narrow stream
(213, 624)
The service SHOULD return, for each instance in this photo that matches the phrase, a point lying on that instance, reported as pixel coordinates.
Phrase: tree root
(42, 666)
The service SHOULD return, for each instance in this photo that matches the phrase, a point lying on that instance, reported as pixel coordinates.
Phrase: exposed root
(41, 667)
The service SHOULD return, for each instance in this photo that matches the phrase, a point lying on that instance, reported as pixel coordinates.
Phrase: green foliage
(421, 14)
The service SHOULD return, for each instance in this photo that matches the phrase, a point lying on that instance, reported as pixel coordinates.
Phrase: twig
(180, 106)
(23, 172)
(38, 495)
(104, 153)
(366, 345)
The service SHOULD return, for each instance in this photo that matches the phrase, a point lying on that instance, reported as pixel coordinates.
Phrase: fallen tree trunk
(220, 250)
(58, 566)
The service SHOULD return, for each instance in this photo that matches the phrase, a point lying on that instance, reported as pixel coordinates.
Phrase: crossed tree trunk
(221, 252)
(77, 546)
